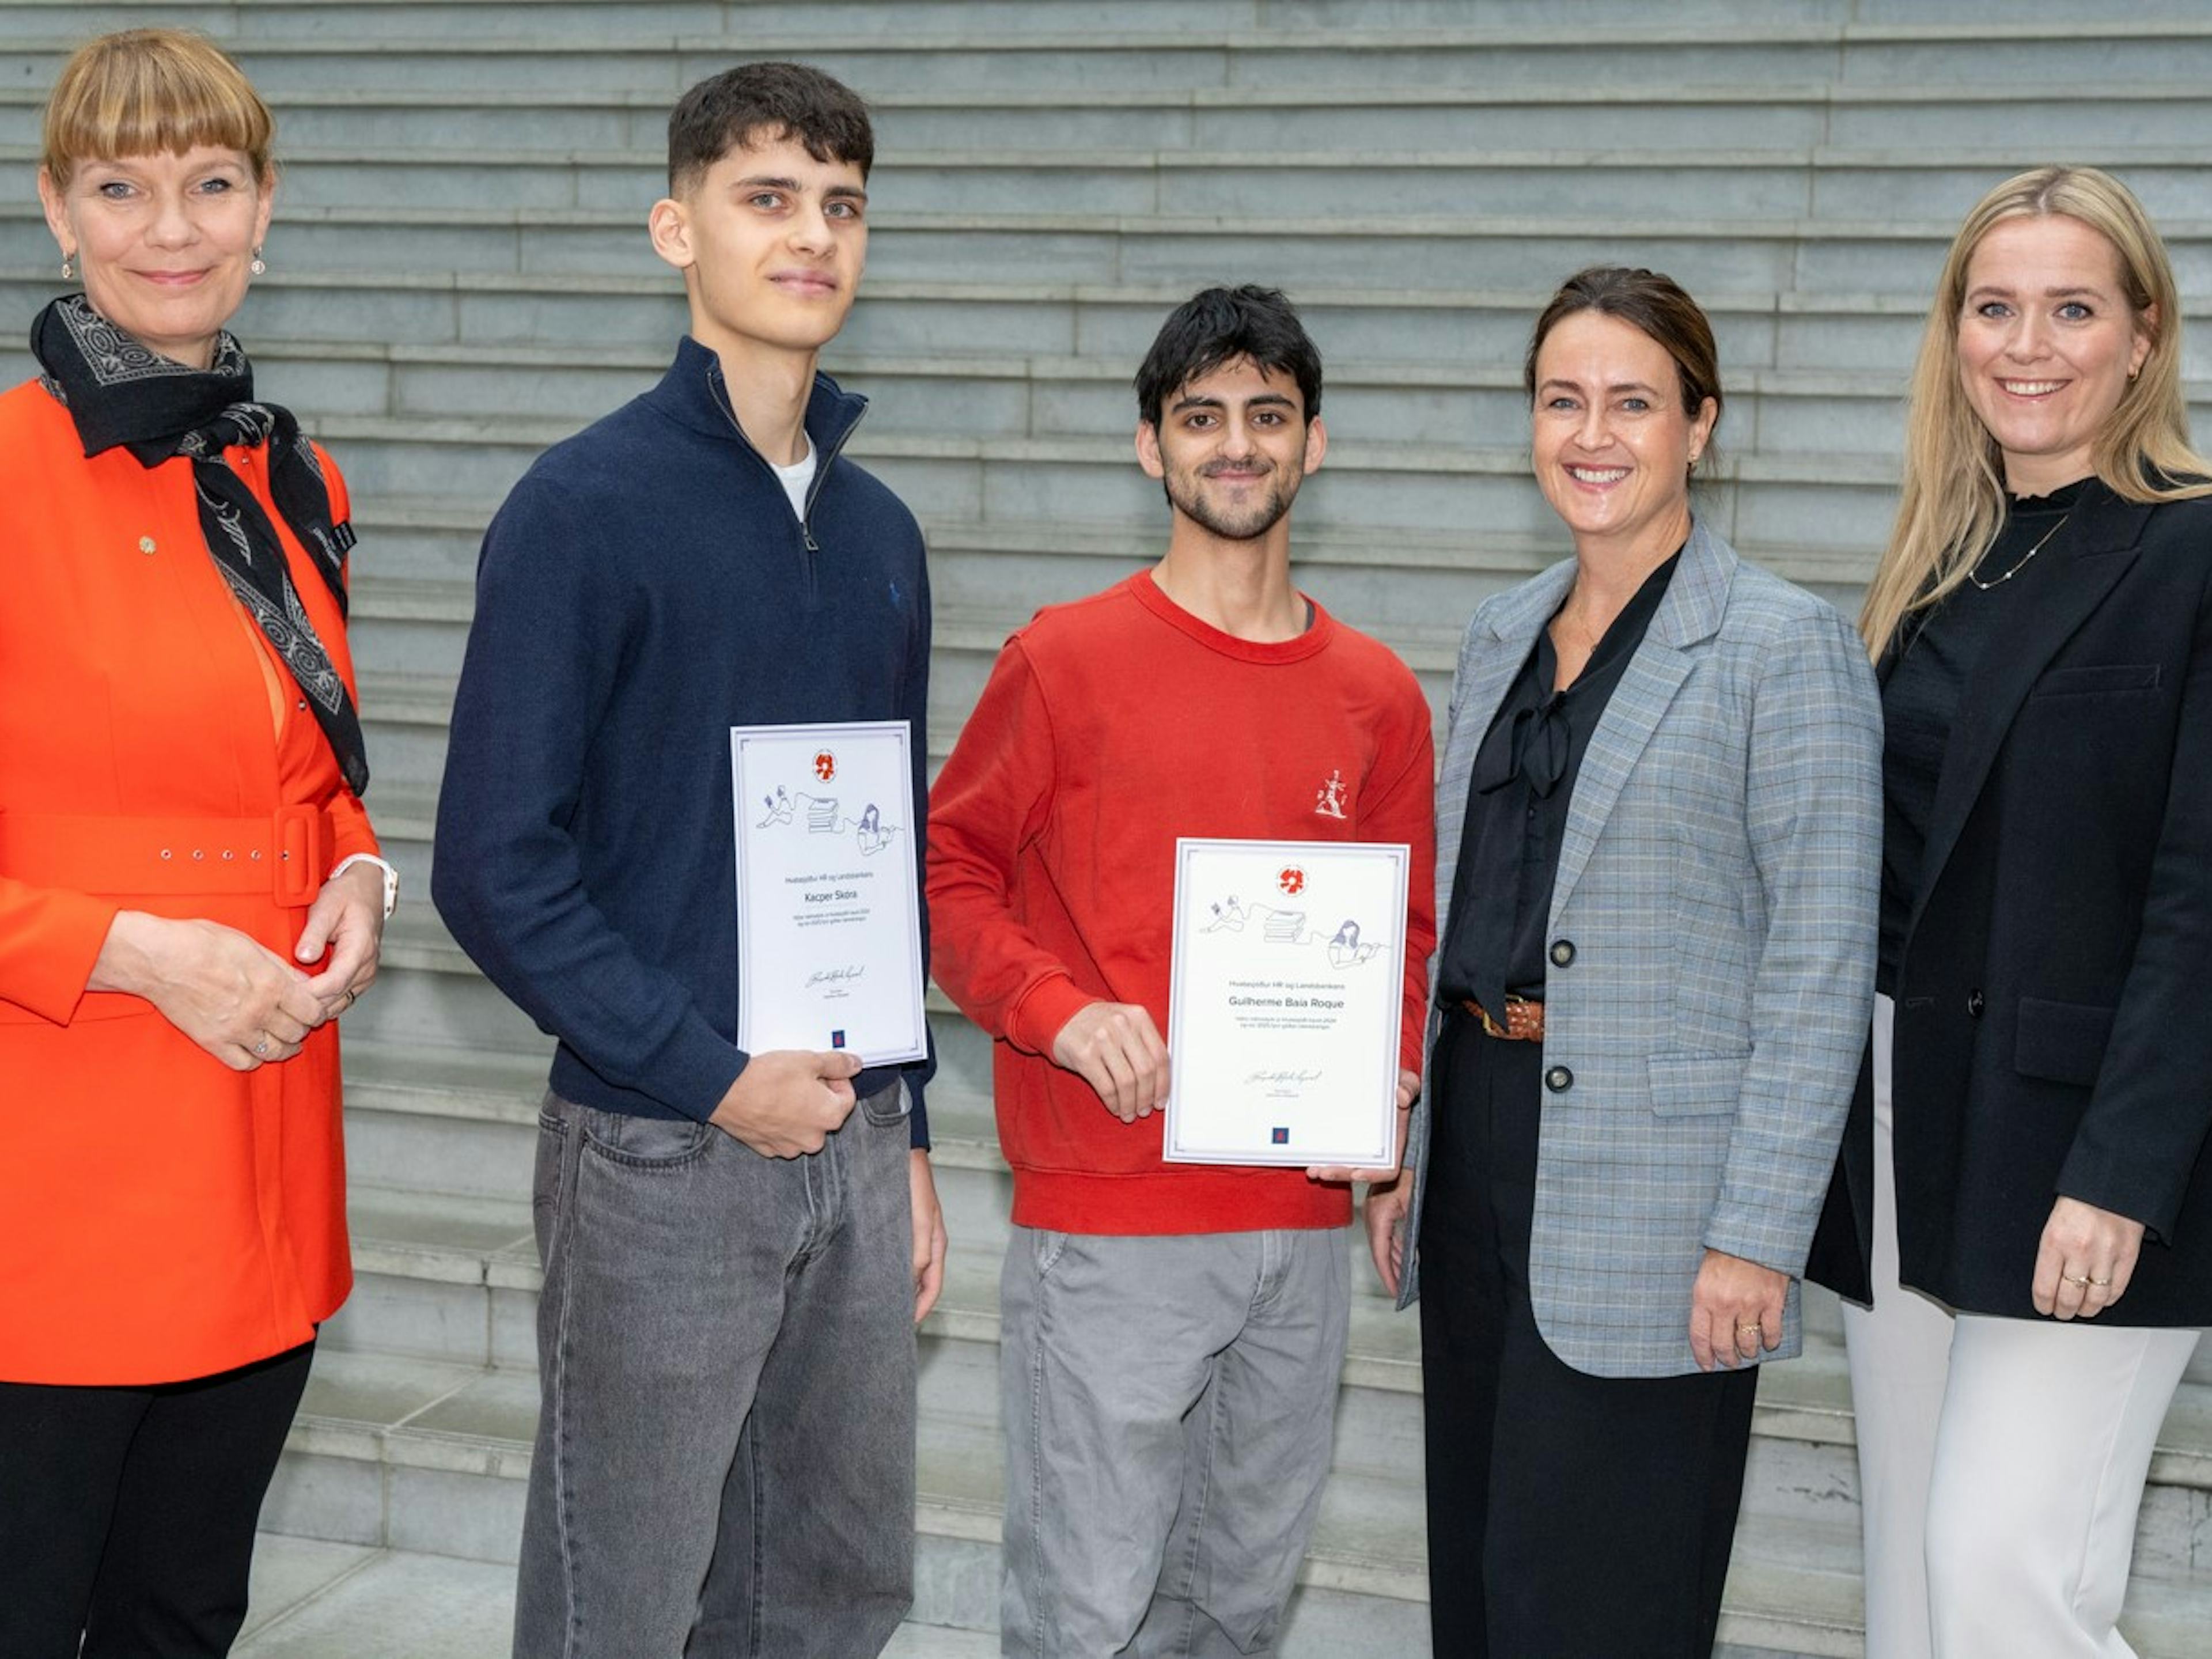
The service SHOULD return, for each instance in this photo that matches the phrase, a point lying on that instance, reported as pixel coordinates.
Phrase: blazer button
(1974, 1005)
(1559, 1079)
(1563, 953)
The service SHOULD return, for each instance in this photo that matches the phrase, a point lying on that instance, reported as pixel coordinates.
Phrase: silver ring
(262, 1046)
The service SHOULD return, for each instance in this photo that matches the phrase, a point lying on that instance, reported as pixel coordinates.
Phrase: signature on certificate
(850, 971)
(1288, 1076)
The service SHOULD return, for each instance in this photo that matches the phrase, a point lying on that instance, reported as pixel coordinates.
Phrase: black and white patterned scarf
(120, 392)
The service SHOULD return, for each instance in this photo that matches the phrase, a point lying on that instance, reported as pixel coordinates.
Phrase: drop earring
(258, 267)
(69, 267)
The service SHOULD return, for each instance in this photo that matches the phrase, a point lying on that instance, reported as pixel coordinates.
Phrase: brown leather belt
(285, 853)
(1524, 1020)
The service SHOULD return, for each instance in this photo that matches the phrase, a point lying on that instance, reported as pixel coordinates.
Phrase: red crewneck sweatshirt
(1111, 726)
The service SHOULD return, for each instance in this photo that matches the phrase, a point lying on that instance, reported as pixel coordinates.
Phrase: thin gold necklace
(2024, 558)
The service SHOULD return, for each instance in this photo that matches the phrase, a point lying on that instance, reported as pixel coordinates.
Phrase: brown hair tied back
(1654, 304)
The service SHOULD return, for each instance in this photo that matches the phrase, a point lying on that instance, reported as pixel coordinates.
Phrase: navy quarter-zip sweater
(645, 588)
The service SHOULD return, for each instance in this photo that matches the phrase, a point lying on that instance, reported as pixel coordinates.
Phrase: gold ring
(2100, 1282)
(1750, 1325)
(2083, 1280)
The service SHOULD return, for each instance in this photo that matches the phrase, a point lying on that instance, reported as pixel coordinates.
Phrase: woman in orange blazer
(189, 894)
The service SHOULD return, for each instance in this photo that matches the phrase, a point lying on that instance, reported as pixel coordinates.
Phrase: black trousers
(1571, 1516)
(127, 1515)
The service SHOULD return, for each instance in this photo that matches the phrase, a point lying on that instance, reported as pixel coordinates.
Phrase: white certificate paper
(828, 910)
(1286, 1000)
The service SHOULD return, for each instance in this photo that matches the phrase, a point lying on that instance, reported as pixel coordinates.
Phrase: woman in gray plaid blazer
(1658, 845)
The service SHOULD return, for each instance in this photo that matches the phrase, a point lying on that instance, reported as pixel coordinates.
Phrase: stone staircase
(459, 276)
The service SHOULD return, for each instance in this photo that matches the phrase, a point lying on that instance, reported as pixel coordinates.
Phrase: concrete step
(2087, 119)
(316, 1600)
(2035, 52)
(816, 19)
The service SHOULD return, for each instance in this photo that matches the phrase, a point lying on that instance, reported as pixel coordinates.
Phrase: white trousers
(2000, 1460)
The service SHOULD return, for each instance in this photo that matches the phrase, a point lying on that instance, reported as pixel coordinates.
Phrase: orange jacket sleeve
(50, 938)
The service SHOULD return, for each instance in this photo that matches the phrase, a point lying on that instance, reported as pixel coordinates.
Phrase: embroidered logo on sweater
(1329, 799)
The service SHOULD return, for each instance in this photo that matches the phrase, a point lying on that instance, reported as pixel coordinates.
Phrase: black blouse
(1516, 810)
(1921, 694)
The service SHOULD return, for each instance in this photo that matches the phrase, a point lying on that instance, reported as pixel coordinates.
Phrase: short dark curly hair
(777, 100)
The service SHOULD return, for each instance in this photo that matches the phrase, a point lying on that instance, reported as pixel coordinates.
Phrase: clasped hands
(232, 995)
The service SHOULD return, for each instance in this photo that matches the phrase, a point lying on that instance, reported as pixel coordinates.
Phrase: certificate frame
(1262, 1068)
(828, 901)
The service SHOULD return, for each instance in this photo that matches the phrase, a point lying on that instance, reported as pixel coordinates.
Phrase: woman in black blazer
(2024, 1195)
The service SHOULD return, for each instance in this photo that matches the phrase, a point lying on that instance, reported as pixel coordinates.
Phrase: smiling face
(2047, 342)
(1232, 447)
(771, 243)
(1612, 443)
(164, 242)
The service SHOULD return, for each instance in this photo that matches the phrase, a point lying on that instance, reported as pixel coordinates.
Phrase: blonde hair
(1953, 501)
(141, 92)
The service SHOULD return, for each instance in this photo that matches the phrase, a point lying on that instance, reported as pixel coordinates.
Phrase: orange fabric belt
(285, 854)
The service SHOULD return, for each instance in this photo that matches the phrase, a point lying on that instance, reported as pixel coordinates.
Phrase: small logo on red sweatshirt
(1329, 799)
(825, 765)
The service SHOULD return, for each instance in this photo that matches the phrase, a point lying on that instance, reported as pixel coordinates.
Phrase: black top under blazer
(2054, 989)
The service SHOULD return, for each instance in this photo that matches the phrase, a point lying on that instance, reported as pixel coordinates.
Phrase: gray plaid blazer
(1718, 878)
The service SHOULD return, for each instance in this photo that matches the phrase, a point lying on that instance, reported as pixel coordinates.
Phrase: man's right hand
(1116, 1050)
(787, 1101)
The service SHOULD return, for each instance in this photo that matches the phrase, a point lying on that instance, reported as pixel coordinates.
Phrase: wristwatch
(391, 877)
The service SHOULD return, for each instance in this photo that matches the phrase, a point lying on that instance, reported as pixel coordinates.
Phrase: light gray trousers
(1168, 1405)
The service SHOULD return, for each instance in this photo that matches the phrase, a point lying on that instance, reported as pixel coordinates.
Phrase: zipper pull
(808, 535)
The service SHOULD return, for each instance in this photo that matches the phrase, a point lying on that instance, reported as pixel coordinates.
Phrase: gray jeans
(1168, 1403)
(725, 1453)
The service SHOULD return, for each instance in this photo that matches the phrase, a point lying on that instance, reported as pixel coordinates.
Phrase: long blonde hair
(1953, 501)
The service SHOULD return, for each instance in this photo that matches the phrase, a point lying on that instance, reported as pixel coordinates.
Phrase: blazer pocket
(2097, 676)
(2061, 1042)
(1687, 1085)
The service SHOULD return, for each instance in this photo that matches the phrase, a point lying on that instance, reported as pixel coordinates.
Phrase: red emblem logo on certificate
(1291, 880)
(825, 765)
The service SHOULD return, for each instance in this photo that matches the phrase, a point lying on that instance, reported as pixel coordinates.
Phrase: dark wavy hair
(1218, 325)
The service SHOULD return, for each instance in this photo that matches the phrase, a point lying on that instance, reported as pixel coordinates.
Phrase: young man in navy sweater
(735, 1256)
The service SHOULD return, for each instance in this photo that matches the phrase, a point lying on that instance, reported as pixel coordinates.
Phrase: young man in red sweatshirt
(1172, 1334)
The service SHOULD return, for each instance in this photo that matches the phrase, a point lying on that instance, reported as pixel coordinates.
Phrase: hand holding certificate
(829, 903)
(1285, 1005)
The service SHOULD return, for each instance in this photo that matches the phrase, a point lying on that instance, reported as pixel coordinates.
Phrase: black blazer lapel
(2103, 548)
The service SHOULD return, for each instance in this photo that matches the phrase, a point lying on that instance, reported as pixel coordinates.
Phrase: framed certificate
(1286, 1001)
(828, 904)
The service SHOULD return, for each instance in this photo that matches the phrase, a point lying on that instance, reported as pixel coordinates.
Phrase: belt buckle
(299, 851)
